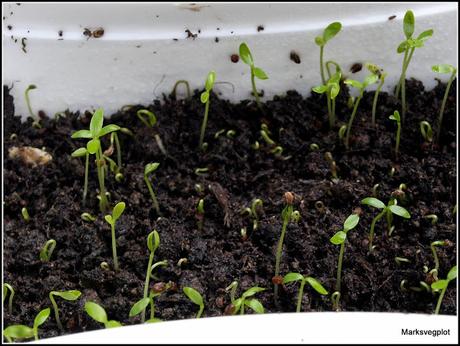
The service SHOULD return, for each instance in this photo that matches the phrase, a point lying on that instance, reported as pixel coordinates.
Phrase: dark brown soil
(217, 255)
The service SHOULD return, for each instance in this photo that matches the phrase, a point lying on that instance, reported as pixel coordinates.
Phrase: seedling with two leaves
(329, 32)
(238, 305)
(150, 119)
(111, 220)
(256, 72)
(97, 313)
(395, 117)
(19, 331)
(205, 98)
(148, 170)
(374, 69)
(141, 305)
(442, 286)
(331, 89)
(196, 298)
(153, 242)
(295, 277)
(71, 295)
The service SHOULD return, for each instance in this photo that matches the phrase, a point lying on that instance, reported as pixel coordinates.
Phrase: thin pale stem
(338, 283)
(441, 296)
(85, 184)
(152, 308)
(254, 90)
(147, 282)
(152, 194)
(350, 122)
(398, 138)
(371, 233)
(114, 248)
(242, 308)
(198, 315)
(403, 86)
(321, 65)
(443, 105)
(187, 86)
(103, 203)
(118, 149)
(435, 256)
(203, 125)
(374, 103)
(398, 87)
(10, 302)
(299, 297)
(56, 313)
(329, 111)
(279, 250)
(333, 111)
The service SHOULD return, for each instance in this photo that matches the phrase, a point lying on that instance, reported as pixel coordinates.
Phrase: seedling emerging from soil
(93, 146)
(36, 122)
(444, 68)
(141, 305)
(395, 116)
(196, 298)
(87, 217)
(97, 313)
(79, 153)
(240, 303)
(339, 239)
(71, 295)
(294, 277)
(200, 214)
(253, 212)
(111, 220)
(331, 89)
(153, 242)
(47, 250)
(149, 169)
(332, 163)
(386, 210)
(408, 47)
(205, 95)
(246, 56)
(7, 287)
(381, 76)
(25, 214)
(328, 33)
(442, 285)
(371, 79)
(150, 122)
(187, 86)
(20, 331)
(434, 271)
(426, 131)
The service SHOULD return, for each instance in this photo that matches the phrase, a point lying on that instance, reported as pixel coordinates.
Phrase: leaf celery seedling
(111, 220)
(329, 32)
(71, 295)
(294, 277)
(256, 72)
(196, 298)
(442, 285)
(153, 242)
(149, 169)
(238, 305)
(47, 250)
(205, 98)
(97, 313)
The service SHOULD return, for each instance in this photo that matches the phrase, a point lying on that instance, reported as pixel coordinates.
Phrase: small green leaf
(139, 307)
(331, 30)
(193, 295)
(373, 202)
(153, 241)
(320, 89)
(255, 305)
(354, 83)
(316, 285)
(338, 238)
(108, 129)
(150, 168)
(290, 277)
(41, 317)
(118, 210)
(259, 73)
(79, 152)
(443, 68)
(109, 219)
(319, 41)
(350, 222)
(335, 89)
(67, 295)
(93, 146)
(210, 80)
(96, 312)
(204, 97)
(112, 324)
(152, 118)
(402, 47)
(452, 275)
(335, 78)
(439, 285)
(395, 116)
(19, 331)
(97, 121)
(82, 134)
(369, 80)
(253, 290)
(246, 55)
(425, 35)
(409, 24)
(400, 211)
(237, 305)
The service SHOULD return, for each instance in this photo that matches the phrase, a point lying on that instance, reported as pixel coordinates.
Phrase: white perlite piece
(30, 156)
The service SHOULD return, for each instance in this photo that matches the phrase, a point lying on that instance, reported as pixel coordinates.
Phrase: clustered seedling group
(332, 84)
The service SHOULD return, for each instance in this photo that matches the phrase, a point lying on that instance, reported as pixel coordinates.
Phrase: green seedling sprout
(187, 86)
(375, 190)
(141, 305)
(88, 217)
(71, 295)
(332, 164)
(433, 218)
(149, 119)
(408, 47)
(20, 331)
(200, 214)
(256, 72)
(79, 153)
(201, 171)
(153, 242)
(435, 270)
(339, 239)
(442, 285)
(205, 96)
(47, 250)
(381, 76)
(294, 277)
(41, 318)
(238, 305)
(371, 79)
(111, 220)
(36, 122)
(93, 146)
(265, 133)
(149, 169)
(114, 140)
(386, 210)
(400, 260)
(25, 214)
(328, 33)
(444, 68)
(395, 116)
(314, 147)
(253, 212)
(97, 313)
(196, 298)
(426, 131)
(7, 287)
(331, 89)
(231, 134)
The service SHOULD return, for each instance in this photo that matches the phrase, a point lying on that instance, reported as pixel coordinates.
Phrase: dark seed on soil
(295, 57)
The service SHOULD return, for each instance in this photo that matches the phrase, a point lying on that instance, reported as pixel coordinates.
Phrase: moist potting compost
(274, 199)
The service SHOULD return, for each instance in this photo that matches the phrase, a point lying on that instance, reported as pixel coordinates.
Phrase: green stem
(103, 203)
(371, 233)
(279, 248)
(339, 268)
(56, 313)
(398, 87)
(403, 86)
(152, 194)
(10, 302)
(374, 103)
(329, 111)
(333, 111)
(152, 308)
(350, 122)
(254, 89)
(26, 95)
(242, 308)
(203, 125)
(441, 296)
(118, 149)
(147, 282)
(198, 315)
(189, 94)
(398, 138)
(85, 185)
(321, 53)
(444, 101)
(299, 297)
(114, 247)
(435, 256)
(389, 220)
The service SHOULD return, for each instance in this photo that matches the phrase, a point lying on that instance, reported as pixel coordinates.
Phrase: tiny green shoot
(47, 250)
(149, 169)
(36, 122)
(8, 288)
(111, 220)
(433, 218)
(442, 285)
(187, 86)
(200, 214)
(331, 89)
(141, 305)
(333, 165)
(256, 72)
(20, 331)
(149, 119)
(87, 217)
(240, 303)
(426, 131)
(153, 242)
(71, 295)
(25, 214)
(196, 298)
(205, 97)
(294, 277)
(253, 212)
(435, 270)
(329, 32)
(395, 116)
(79, 153)
(97, 313)
(381, 75)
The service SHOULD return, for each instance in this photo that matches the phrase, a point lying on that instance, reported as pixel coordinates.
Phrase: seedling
(314, 147)
(111, 220)
(141, 305)
(408, 47)
(252, 212)
(386, 210)
(434, 271)
(153, 242)
(256, 72)
(395, 116)
(71, 295)
(20, 331)
(339, 239)
(47, 250)
(196, 298)
(331, 89)
(381, 76)
(25, 214)
(205, 95)
(265, 133)
(433, 218)
(36, 122)
(442, 285)
(400, 260)
(200, 214)
(328, 33)
(187, 86)
(294, 277)
(332, 164)
(97, 313)
(426, 131)
(79, 153)
(7, 287)
(87, 217)
(149, 169)
(93, 146)
(201, 171)
(240, 303)
(149, 119)
(444, 68)
(371, 79)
